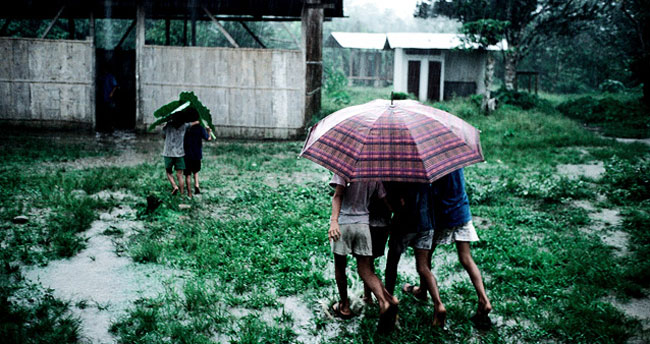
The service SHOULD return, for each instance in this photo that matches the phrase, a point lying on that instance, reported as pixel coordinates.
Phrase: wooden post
(49, 27)
(185, 31)
(167, 25)
(193, 27)
(536, 82)
(312, 41)
(91, 27)
(377, 69)
(351, 63)
(139, 59)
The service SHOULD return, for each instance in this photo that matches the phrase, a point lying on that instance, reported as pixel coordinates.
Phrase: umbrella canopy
(404, 141)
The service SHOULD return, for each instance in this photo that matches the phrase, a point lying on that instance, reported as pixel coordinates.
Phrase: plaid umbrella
(404, 141)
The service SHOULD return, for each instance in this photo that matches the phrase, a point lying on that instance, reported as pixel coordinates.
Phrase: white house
(431, 66)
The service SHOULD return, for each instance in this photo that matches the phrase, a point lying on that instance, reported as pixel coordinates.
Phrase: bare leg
(170, 177)
(392, 261)
(179, 175)
(372, 281)
(367, 293)
(423, 266)
(196, 180)
(340, 263)
(189, 188)
(465, 258)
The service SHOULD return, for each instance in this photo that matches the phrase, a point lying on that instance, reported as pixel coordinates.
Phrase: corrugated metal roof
(392, 40)
(356, 40)
(421, 40)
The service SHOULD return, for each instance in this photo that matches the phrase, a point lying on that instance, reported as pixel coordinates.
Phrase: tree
(485, 33)
(637, 14)
(530, 21)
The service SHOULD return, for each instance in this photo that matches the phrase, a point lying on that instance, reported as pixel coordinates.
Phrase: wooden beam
(295, 40)
(250, 32)
(126, 34)
(49, 27)
(91, 26)
(312, 39)
(221, 28)
(184, 30)
(193, 31)
(139, 62)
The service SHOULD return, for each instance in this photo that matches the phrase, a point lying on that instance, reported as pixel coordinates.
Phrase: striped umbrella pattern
(404, 141)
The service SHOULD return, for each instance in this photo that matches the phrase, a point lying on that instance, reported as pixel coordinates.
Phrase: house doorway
(413, 81)
(119, 111)
(433, 88)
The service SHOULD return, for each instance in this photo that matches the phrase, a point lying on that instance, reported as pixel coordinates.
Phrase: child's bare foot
(415, 291)
(174, 190)
(481, 319)
(484, 308)
(439, 316)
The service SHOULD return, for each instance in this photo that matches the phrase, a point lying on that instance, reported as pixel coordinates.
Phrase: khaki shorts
(464, 232)
(355, 239)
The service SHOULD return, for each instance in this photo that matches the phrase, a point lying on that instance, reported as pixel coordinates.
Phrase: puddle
(634, 308)
(594, 171)
(645, 141)
(101, 284)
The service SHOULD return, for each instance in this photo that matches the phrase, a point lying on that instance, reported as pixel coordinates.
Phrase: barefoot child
(193, 145)
(349, 233)
(173, 152)
(453, 222)
(413, 227)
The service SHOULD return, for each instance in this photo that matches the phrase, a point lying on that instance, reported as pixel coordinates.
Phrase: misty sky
(401, 8)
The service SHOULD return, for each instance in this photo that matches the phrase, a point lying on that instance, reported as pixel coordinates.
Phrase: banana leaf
(165, 112)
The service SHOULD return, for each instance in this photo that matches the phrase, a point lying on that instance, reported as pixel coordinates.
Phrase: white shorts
(464, 232)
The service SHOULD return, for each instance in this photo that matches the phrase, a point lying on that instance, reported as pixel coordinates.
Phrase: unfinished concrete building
(251, 92)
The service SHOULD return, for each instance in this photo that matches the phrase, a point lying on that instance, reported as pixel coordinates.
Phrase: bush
(402, 95)
(335, 86)
(627, 181)
(523, 100)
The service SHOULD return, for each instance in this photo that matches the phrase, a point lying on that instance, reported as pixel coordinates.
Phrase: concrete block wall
(252, 93)
(47, 82)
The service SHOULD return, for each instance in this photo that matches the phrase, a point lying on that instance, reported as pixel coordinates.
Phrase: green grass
(257, 235)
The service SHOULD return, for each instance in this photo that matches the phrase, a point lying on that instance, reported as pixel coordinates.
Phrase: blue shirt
(414, 215)
(109, 83)
(193, 143)
(449, 199)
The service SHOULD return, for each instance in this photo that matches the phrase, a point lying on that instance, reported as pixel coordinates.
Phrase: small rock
(105, 217)
(184, 206)
(78, 193)
(20, 219)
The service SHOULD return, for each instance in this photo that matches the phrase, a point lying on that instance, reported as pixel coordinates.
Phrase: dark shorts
(379, 236)
(192, 166)
(176, 163)
(419, 240)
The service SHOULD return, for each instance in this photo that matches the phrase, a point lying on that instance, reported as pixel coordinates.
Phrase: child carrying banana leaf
(173, 151)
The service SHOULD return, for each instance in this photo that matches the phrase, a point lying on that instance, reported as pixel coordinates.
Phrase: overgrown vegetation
(256, 237)
(617, 116)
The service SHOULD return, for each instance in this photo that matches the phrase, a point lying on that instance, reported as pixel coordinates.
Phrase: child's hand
(334, 233)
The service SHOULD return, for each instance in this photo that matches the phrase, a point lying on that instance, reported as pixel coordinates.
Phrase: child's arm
(334, 232)
(194, 123)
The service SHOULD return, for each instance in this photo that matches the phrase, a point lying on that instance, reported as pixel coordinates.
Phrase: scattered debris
(20, 219)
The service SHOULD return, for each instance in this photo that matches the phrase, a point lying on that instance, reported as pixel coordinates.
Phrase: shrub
(523, 100)
(335, 86)
(402, 95)
(627, 181)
